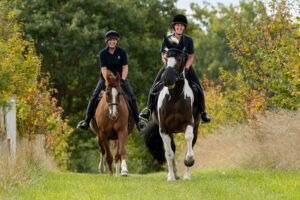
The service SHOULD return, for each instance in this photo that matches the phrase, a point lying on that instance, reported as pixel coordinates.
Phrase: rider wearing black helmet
(113, 58)
(179, 23)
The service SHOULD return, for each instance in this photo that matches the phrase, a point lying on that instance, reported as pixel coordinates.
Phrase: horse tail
(154, 142)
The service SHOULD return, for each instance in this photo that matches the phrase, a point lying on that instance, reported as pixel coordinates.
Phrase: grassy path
(205, 184)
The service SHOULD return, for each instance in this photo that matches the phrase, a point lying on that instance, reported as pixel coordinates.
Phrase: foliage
(268, 50)
(18, 63)
(211, 45)
(20, 75)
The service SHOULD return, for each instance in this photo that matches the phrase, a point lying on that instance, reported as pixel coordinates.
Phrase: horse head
(175, 61)
(113, 91)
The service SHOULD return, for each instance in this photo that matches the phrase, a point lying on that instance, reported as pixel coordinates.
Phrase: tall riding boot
(84, 124)
(191, 75)
(135, 112)
(154, 91)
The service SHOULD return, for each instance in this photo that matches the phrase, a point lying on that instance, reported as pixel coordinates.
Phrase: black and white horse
(175, 112)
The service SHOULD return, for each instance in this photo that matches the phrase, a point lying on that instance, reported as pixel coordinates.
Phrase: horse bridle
(178, 76)
(119, 93)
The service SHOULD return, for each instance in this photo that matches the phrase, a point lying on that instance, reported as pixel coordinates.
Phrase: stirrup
(83, 125)
(145, 111)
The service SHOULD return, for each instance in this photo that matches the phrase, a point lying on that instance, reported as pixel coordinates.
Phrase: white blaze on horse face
(171, 62)
(114, 94)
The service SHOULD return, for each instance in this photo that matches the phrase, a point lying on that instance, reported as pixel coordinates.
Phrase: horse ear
(118, 76)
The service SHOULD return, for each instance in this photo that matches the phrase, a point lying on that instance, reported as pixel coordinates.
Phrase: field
(205, 184)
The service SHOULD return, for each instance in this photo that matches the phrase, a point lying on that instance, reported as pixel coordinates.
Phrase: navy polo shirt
(113, 62)
(188, 45)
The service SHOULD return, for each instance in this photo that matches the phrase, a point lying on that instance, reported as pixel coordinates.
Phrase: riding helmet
(111, 35)
(179, 19)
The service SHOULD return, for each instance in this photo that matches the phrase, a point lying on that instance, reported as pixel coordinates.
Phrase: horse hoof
(171, 179)
(124, 173)
(190, 162)
(187, 177)
(177, 177)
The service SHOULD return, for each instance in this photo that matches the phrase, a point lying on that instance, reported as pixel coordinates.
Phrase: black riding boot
(191, 75)
(135, 113)
(84, 124)
(155, 89)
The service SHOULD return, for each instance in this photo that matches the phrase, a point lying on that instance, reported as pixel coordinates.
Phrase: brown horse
(111, 123)
(175, 112)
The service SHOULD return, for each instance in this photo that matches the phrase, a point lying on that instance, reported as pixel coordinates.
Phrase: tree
(69, 35)
(212, 49)
(268, 50)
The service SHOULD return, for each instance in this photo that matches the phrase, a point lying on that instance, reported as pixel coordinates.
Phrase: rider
(179, 23)
(113, 58)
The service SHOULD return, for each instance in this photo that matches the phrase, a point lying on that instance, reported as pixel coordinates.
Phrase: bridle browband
(119, 93)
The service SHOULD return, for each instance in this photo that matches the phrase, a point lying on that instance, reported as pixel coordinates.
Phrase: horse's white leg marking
(124, 171)
(118, 168)
(187, 175)
(169, 155)
(189, 135)
(114, 94)
(101, 166)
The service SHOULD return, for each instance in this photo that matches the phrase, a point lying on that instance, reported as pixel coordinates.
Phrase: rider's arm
(104, 71)
(189, 61)
(124, 71)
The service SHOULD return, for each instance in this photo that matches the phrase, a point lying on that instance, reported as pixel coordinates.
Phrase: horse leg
(122, 135)
(109, 158)
(174, 162)
(169, 155)
(189, 157)
(117, 161)
(101, 167)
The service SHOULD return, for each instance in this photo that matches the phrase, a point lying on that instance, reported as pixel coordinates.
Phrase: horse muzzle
(171, 86)
(114, 116)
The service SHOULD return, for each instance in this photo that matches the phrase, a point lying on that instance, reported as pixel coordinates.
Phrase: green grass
(205, 184)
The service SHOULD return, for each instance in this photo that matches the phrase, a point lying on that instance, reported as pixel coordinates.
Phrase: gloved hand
(122, 82)
(186, 71)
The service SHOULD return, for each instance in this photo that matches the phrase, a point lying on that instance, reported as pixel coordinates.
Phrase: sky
(185, 4)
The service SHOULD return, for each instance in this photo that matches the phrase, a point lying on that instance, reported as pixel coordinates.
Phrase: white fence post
(11, 126)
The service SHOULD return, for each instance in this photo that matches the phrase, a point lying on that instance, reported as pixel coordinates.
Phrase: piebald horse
(111, 123)
(175, 112)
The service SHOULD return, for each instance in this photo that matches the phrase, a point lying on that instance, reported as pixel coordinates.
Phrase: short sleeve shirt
(113, 62)
(188, 44)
